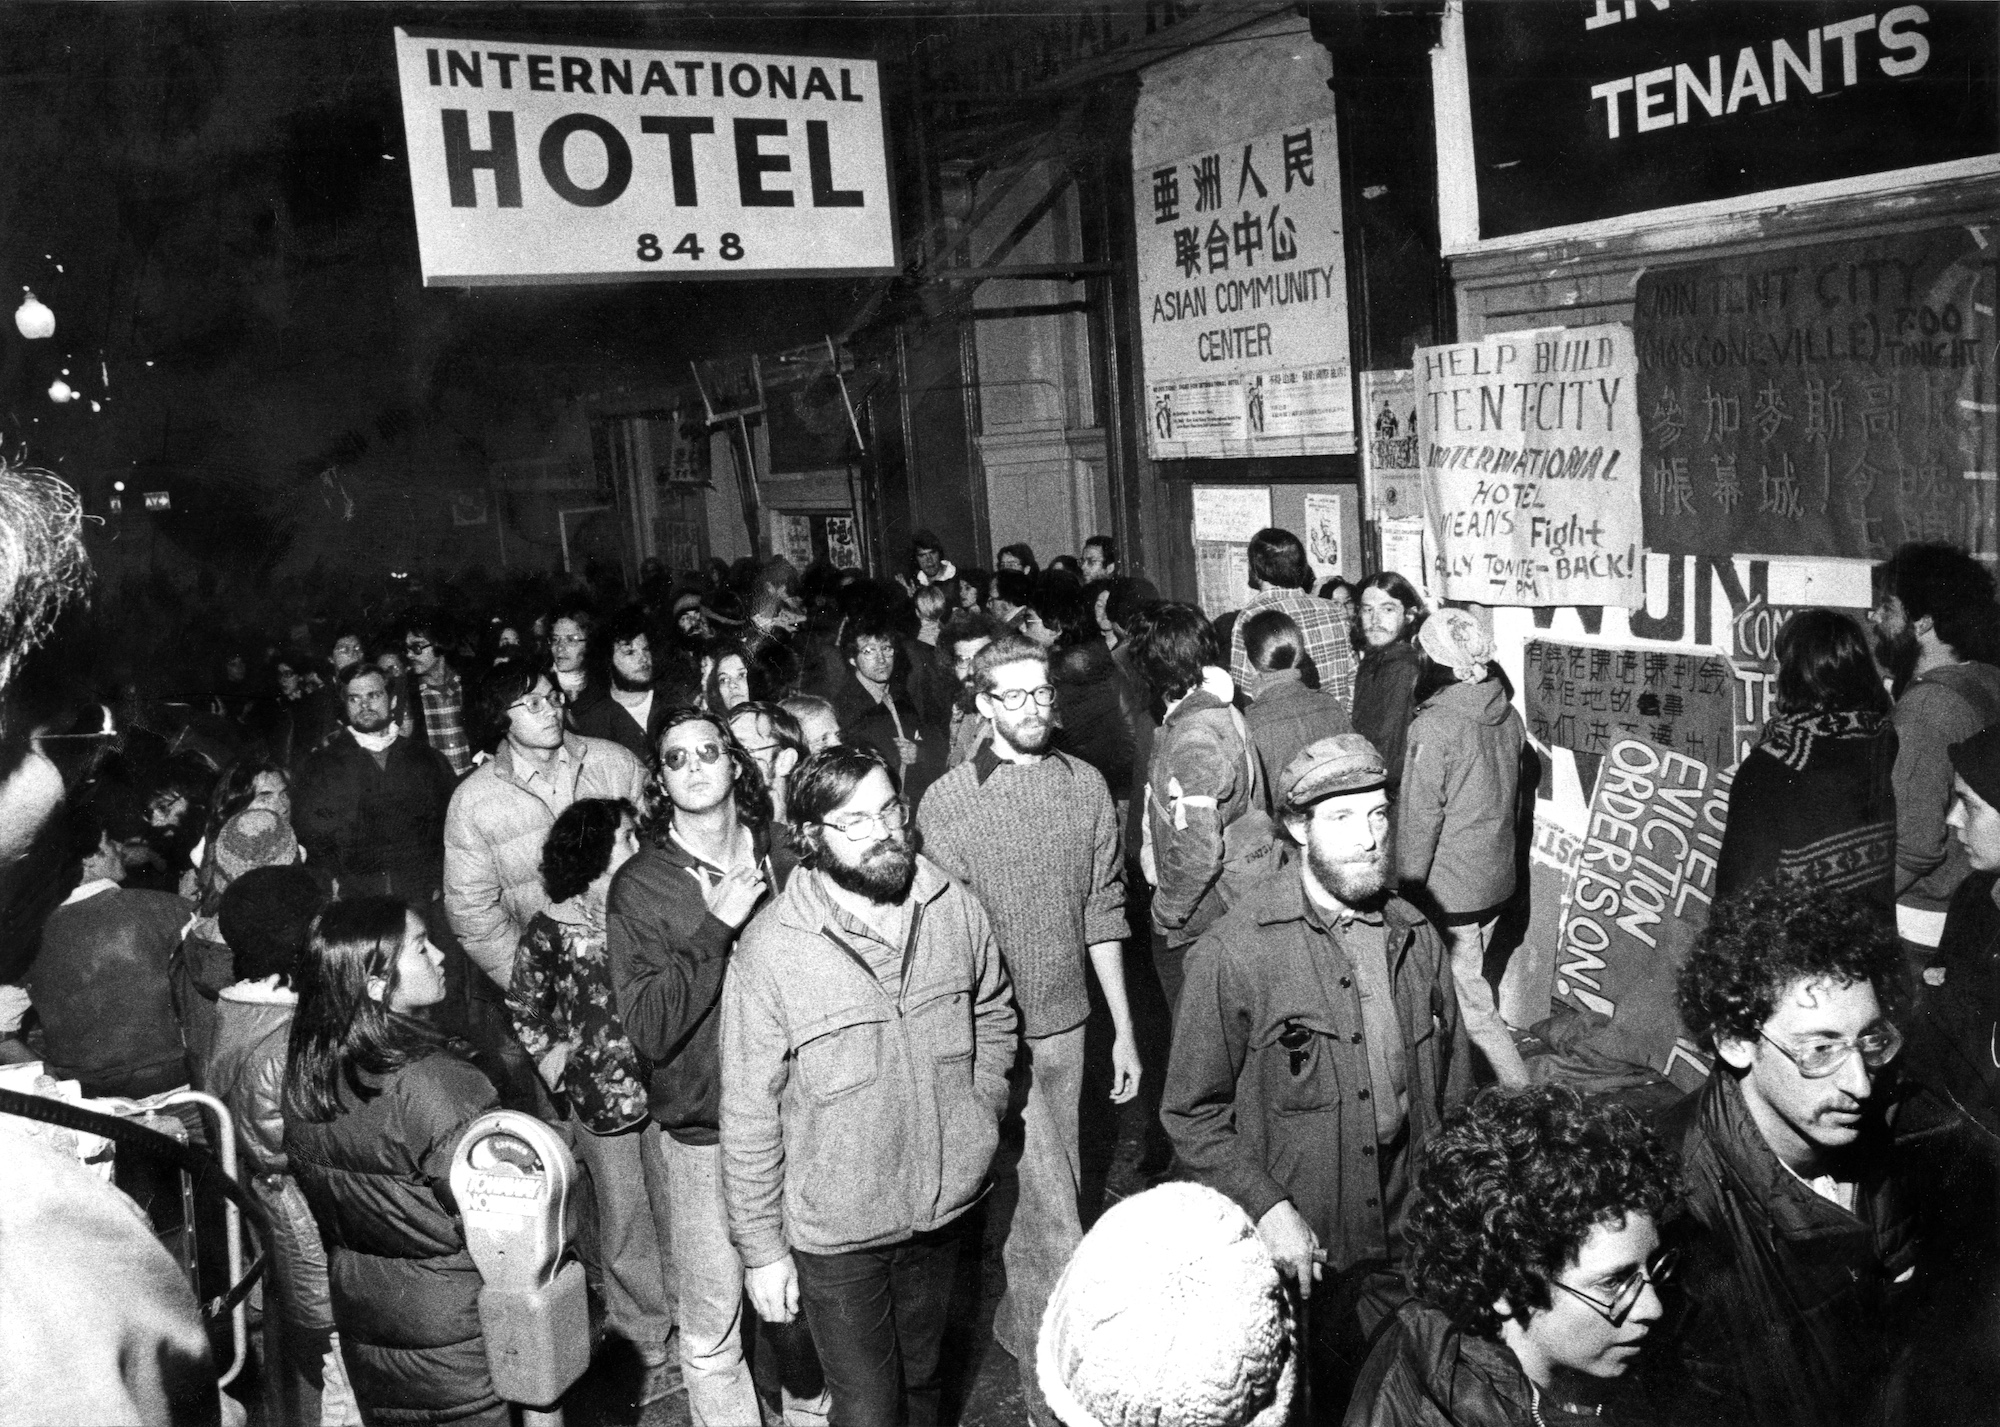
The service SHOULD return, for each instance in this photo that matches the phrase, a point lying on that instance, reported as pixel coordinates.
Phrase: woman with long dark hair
(1090, 693)
(1391, 611)
(375, 1103)
(1815, 796)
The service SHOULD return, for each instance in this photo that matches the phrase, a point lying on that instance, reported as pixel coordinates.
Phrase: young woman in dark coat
(375, 1103)
(1090, 708)
(1814, 797)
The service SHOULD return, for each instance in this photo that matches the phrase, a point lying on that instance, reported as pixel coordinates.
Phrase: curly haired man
(1804, 1237)
(1535, 1255)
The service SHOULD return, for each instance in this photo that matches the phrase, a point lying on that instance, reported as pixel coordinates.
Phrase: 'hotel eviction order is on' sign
(1530, 450)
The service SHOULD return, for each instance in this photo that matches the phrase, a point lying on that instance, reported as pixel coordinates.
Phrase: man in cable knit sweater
(1034, 834)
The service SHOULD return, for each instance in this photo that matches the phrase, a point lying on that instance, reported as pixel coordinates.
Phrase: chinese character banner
(1243, 287)
(1835, 400)
(1587, 696)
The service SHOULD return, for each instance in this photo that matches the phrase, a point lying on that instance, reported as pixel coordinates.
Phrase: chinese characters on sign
(1836, 400)
(1638, 897)
(1243, 283)
(1587, 697)
(1530, 450)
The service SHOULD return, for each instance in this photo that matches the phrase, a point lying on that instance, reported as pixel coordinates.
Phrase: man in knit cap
(1317, 1044)
(1032, 831)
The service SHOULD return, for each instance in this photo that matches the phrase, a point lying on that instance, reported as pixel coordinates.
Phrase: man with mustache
(1938, 631)
(1316, 1046)
(1032, 831)
(867, 1030)
(1806, 1237)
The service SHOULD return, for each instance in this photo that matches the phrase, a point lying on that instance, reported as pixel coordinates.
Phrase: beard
(628, 686)
(368, 725)
(1898, 655)
(883, 875)
(1356, 882)
(1029, 735)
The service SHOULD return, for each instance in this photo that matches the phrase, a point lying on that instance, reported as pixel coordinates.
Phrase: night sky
(213, 200)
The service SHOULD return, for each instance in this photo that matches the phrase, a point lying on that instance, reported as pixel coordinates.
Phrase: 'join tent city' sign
(535, 163)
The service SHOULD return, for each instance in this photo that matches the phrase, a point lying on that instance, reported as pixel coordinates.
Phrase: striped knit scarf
(1789, 738)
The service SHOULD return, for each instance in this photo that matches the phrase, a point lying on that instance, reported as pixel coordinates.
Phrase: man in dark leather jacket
(1801, 1233)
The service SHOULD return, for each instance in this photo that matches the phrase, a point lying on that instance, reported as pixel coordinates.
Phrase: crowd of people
(787, 897)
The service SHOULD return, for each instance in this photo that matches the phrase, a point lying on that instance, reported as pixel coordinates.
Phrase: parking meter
(516, 1189)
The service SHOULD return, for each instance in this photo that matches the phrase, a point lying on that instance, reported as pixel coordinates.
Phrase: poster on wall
(1390, 471)
(1636, 901)
(1243, 292)
(1530, 450)
(1601, 108)
(843, 543)
(1587, 697)
(1837, 400)
(1221, 576)
(533, 161)
(1404, 539)
(1323, 527)
(792, 537)
(1231, 513)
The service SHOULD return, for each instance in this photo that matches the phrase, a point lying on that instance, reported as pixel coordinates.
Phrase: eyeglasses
(567, 640)
(1656, 1271)
(679, 758)
(417, 646)
(1818, 1059)
(874, 651)
(1013, 700)
(855, 826)
(757, 750)
(540, 703)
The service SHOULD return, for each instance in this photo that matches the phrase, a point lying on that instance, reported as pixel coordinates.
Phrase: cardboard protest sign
(1530, 451)
(1584, 697)
(1637, 900)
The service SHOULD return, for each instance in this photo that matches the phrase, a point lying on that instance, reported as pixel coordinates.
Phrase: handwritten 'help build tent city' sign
(1530, 450)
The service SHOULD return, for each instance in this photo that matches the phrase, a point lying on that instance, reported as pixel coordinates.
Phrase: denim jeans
(719, 1386)
(1476, 1007)
(628, 1188)
(305, 1379)
(878, 1317)
(1044, 1229)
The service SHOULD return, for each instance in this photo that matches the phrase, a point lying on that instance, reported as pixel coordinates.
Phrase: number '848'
(729, 248)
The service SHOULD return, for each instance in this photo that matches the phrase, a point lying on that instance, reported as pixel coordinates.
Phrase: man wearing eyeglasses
(441, 695)
(1804, 1236)
(867, 1031)
(1536, 1263)
(493, 833)
(1032, 831)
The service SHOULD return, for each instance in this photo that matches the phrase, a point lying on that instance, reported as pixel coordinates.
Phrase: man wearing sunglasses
(1032, 831)
(867, 1032)
(1803, 1239)
(672, 920)
(1536, 1259)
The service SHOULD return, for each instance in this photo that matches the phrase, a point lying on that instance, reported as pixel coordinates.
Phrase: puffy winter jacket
(1208, 834)
(1455, 814)
(405, 1291)
(246, 1069)
(1426, 1372)
(493, 838)
(1794, 1304)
